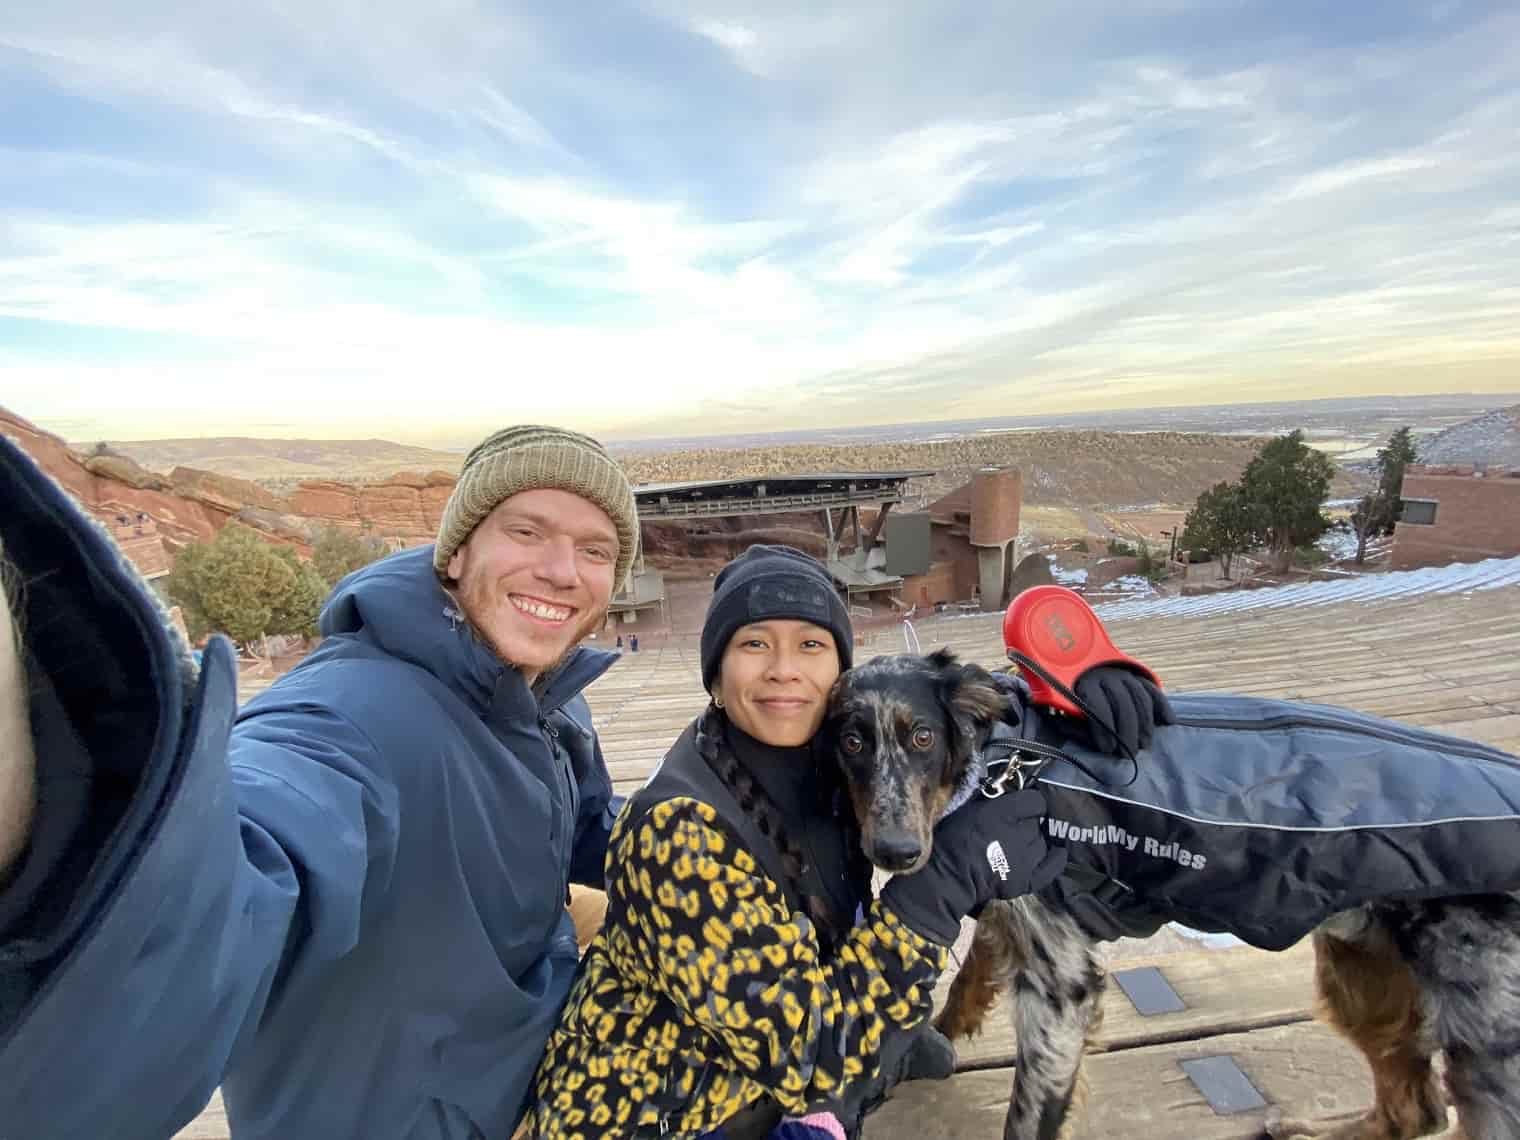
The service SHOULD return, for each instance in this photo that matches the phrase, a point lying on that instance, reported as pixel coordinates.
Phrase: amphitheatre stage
(1447, 660)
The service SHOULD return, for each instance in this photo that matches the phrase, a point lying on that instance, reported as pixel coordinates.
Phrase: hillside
(1491, 439)
(1082, 470)
(1076, 470)
(282, 462)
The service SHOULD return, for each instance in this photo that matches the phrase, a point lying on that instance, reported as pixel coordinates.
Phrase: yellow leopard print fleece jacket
(705, 991)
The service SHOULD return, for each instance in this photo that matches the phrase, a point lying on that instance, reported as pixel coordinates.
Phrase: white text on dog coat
(1114, 836)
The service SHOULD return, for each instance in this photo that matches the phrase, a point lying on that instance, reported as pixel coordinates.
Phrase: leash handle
(1068, 695)
(1055, 630)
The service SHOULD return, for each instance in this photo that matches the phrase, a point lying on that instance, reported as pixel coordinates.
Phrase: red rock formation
(154, 515)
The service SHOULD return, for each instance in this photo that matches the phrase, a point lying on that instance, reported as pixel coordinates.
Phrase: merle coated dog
(1402, 981)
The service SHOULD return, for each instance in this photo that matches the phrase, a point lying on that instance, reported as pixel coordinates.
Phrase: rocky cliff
(155, 515)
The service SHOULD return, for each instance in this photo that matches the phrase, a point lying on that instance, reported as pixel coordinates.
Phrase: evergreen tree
(297, 609)
(1376, 513)
(1285, 486)
(240, 585)
(1222, 521)
(1370, 515)
(336, 553)
(1392, 460)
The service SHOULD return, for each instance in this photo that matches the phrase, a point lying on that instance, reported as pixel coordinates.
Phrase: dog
(1400, 980)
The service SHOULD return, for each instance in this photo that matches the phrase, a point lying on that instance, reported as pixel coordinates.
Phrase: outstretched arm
(153, 886)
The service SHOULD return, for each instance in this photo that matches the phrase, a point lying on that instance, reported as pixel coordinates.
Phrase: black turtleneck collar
(793, 779)
(788, 775)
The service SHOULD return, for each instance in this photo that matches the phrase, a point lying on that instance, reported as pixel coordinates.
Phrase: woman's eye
(852, 744)
(923, 739)
(599, 554)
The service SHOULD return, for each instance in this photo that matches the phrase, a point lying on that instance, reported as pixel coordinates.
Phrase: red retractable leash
(1056, 631)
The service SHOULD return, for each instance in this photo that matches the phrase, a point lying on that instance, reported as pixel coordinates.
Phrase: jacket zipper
(663, 1124)
(1412, 737)
(551, 735)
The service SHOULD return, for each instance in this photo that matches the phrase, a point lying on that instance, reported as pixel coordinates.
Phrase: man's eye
(599, 554)
(923, 739)
(851, 744)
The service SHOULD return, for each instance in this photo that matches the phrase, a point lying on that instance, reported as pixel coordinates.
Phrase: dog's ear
(974, 702)
(941, 659)
(978, 698)
(836, 694)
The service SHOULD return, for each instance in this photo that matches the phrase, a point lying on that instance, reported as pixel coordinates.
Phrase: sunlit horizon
(391, 222)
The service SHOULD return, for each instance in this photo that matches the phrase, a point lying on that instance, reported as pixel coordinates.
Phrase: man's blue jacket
(347, 908)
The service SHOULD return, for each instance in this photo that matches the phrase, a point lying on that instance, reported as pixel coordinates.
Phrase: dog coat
(1262, 818)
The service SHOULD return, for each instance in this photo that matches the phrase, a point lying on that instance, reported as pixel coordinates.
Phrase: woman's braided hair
(757, 804)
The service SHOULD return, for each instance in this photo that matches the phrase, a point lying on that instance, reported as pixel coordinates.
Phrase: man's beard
(593, 622)
(483, 597)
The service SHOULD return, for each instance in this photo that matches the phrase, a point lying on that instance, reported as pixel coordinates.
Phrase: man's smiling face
(535, 577)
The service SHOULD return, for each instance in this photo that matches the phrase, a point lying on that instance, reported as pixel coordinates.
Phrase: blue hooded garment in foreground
(347, 908)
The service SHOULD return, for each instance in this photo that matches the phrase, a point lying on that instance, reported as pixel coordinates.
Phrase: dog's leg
(986, 972)
(1368, 993)
(1056, 1011)
(1466, 955)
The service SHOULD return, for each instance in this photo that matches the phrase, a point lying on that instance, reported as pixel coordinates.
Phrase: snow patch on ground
(1458, 578)
(1073, 578)
(1129, 584)
(1340, 545)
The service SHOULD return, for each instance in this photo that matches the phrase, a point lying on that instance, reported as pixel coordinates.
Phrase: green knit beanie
(531, 458)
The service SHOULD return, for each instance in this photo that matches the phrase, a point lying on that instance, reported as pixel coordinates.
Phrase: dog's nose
(894, 852)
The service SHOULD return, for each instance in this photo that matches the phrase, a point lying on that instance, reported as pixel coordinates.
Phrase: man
(347, 908)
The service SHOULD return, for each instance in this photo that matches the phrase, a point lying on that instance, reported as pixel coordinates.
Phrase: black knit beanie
(768, 582)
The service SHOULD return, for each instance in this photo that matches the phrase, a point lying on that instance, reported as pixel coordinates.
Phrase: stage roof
(771, 494)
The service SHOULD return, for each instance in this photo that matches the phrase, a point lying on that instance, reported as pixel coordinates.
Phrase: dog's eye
(851, 744)
(923, 739)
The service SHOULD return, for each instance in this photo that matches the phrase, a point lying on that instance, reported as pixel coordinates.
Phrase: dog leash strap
(1056, 626)
(1023, 661)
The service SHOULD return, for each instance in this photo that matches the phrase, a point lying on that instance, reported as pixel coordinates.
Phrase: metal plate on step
(1149, 991)
(1222, 1083)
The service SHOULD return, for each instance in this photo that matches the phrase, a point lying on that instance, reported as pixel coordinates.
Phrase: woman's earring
(717, 702)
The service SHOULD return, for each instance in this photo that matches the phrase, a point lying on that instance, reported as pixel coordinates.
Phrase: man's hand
(17, 762)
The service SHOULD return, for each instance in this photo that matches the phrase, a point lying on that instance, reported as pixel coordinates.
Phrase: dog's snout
(895, 852)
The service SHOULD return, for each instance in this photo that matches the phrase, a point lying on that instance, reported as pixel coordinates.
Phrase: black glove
(919, 1054)
(986, 849)
(1123, 699)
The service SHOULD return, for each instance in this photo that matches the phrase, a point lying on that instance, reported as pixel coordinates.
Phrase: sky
(422, 221)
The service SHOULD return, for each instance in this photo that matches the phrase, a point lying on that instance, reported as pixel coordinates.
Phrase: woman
(744, 973)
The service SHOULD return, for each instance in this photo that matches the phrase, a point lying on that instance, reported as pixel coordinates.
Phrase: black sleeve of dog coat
(987, 849)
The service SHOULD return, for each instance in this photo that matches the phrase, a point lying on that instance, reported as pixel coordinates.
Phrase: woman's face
(775, 677)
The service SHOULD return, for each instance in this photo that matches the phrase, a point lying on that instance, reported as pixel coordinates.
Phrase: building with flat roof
(962, 549)
(834, 496)
(1457, 513)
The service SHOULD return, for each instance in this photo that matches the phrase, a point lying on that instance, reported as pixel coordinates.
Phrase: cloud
(747, 217)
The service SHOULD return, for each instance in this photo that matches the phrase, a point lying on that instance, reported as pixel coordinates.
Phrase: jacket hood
(399, 606)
